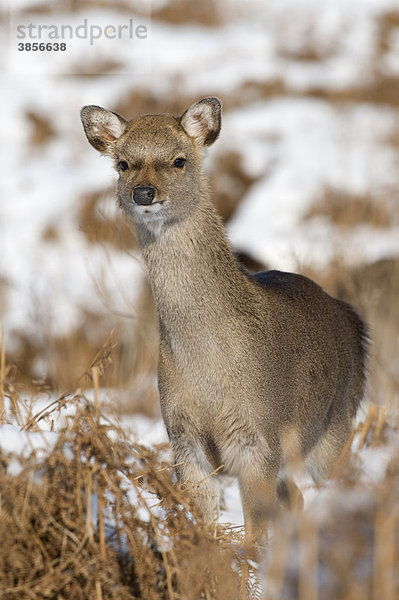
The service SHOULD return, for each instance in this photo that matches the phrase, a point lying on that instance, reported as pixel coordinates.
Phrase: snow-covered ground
(298, 148)
(294, 145)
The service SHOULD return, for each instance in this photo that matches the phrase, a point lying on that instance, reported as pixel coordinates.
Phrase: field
(306, 177)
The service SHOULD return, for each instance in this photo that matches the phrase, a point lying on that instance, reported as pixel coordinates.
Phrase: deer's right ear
(102, 128)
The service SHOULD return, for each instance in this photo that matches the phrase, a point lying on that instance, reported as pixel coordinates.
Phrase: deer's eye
(122, 165)
(179, 162)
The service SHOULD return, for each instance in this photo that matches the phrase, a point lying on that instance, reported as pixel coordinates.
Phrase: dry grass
(70, 528)
(388, 24)
(177, 12)
(127, 347)
(142, 102)
(349, 549)
(79, 521)
(349, 210)
(97, 68)
(100, 227)
(229, 182)
(42, 131)
(381, 90)
(181, 12)
(65, 357)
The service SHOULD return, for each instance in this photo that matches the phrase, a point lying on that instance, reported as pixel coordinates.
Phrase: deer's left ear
(102, 128)
(202, 120)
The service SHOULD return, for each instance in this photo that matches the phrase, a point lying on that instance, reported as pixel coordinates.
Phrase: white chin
(151, 216)
(147, 209)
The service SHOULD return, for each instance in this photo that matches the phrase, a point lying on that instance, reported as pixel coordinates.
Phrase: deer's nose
(143, 194)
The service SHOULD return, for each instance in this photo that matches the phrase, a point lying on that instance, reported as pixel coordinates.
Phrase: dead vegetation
(388, 25)
(42, 131)
(181, 12)
(382, 90)
(142, 102)
(350, 549)
(99, 516)
(346, 210)
(230, 183)
(206, 13)
(126, 345)
(97, 68)
(64, 357)
(102, 228)
(79, 524)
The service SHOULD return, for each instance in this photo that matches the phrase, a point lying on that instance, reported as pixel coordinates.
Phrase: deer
(254, 369)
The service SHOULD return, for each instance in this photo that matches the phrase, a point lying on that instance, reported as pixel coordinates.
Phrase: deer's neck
(194, 276)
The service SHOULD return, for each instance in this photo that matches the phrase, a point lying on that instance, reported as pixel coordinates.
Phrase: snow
(21, 443)
(16, 443)
(306, 146)
(295, 146)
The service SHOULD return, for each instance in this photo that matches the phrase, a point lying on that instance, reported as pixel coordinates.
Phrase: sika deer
(253, 369)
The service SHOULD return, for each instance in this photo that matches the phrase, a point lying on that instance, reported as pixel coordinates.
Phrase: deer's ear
(102, 128)
(202, 120)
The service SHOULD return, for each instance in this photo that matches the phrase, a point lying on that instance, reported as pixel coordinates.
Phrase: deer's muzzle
(143, 194)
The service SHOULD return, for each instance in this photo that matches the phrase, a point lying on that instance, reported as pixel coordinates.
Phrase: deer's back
(317, 344)
(302, 300)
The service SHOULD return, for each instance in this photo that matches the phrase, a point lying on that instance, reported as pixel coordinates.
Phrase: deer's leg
(289, 495)
(194, 474)
(258, 488)
(320, 459)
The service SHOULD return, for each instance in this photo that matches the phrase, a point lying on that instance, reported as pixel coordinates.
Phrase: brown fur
(253, 370)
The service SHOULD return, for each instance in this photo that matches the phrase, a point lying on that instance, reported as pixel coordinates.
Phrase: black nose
(143, 194)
